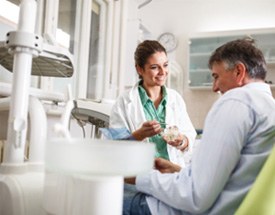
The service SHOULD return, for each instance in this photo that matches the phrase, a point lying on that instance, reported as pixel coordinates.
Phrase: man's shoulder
(252, 89)
(238, 93)
(249, 96)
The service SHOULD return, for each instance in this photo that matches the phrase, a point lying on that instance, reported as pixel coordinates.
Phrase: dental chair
(260, 200)
(79, 175)
(24, 53)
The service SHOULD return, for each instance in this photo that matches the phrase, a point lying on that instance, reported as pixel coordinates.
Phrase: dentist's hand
(174, 142)
(148, 129)
(181, 142)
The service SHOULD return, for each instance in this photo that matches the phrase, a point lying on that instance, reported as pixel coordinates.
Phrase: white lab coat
(128, 113)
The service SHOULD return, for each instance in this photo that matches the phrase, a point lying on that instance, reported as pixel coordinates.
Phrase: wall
(187, 18)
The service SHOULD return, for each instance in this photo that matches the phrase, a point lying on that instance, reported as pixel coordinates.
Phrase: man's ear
(240, 73)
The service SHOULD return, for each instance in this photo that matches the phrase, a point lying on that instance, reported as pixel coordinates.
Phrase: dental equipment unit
(76, 176)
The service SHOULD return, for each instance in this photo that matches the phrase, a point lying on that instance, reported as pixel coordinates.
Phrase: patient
(233, 147)
(149, 107)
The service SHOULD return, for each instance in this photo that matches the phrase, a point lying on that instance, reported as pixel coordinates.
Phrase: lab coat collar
(170, 108)
(135, 107)
(133, 93)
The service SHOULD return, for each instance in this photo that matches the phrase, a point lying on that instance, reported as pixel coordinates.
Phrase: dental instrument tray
(94, 112)
(53, 61)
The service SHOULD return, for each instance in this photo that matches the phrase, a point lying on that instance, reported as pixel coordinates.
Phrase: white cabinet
(200, 49)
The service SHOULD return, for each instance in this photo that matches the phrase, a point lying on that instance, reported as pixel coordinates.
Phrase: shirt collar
(145, 98)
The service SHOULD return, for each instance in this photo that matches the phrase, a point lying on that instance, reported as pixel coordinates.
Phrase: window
(94, 66)
(65, 38)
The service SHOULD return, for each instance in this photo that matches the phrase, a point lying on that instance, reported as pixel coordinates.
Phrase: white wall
(133, 22)
(187, 18)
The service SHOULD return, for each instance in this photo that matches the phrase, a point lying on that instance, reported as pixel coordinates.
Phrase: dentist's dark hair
(241, 51)
(145, 49)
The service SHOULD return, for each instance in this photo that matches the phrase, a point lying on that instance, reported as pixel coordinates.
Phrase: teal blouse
(151, 113)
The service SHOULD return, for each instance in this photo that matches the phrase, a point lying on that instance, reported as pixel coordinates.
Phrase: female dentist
(149, 107)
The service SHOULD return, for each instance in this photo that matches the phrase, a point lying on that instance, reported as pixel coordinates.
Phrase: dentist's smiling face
(155, 70)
